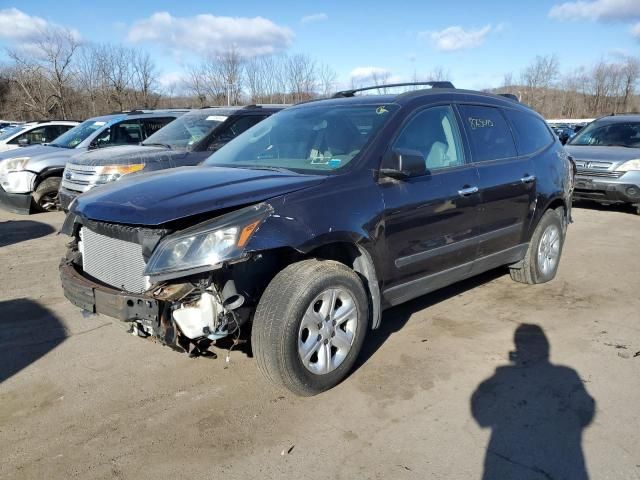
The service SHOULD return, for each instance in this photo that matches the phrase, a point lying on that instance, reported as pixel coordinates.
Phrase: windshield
(9, 132)
(314, 138)
(623, 134)
(183, 132)
(79, 133)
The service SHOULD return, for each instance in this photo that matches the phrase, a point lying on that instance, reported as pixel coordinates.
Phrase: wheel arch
(554, 203)
(48, 173)
(360, 261)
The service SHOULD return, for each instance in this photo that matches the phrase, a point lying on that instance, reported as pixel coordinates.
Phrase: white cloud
(369, 73)
(316, 17)
(635, 30)
(207, 34)
(457, 38)
(622, 10)
(17, 26)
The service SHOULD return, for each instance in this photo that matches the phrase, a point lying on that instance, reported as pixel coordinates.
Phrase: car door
(507, 181)
(430, 220)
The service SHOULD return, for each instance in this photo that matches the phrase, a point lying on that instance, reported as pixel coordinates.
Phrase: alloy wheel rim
(327, 331)
(549, 250)
(49, 201)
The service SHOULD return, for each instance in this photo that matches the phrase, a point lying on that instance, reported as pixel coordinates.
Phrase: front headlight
(13, 164)
(109, 173)
(629, 166)
(208, 245)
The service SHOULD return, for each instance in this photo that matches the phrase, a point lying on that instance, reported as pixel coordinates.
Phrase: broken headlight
(208, 245)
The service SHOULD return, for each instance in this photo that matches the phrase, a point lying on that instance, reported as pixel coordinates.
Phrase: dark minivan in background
(187, 141)
(303, 229)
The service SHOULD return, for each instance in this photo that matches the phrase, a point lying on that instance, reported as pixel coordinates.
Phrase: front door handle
(528, 178)
(465, 192)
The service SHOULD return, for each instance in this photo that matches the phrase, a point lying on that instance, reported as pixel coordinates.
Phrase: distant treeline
(60, 77)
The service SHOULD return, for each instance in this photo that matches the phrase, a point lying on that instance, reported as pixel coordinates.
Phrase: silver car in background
(607, 156)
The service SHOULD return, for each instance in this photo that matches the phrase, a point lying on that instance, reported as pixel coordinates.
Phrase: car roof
(619, 118)
(139, 114)
(237, 110)
(437, 94)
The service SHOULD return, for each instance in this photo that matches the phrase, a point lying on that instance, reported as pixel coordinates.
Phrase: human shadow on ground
(28, 331)
(16, 231)
(536, 411)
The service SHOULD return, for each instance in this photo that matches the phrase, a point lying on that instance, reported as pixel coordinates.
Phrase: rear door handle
(465, 192)
(528, 178)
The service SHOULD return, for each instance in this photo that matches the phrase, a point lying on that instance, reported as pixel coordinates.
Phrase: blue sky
(477, 42)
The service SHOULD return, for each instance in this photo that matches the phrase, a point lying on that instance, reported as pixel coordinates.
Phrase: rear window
(530, 131)
(488, 132)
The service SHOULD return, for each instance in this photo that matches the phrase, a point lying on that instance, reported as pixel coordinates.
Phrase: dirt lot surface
(79, 397)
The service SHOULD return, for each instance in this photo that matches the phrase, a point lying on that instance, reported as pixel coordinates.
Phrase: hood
(128, 154)
(161, 197)
(604, 157)
(39, 152)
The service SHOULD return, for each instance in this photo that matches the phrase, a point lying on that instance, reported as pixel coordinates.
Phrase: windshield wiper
(165, 145)
(269, 168)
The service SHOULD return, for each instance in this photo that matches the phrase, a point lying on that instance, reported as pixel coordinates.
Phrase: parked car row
(186, 141)
(307, 224)
(30, 177)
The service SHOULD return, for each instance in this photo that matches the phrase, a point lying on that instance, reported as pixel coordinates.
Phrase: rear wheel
(541, 261)
(45, 197)
(310, 325)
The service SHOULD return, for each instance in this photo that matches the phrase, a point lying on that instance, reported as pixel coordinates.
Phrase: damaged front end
(177, 287)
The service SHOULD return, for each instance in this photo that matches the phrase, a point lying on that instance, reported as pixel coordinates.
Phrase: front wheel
(541, 261)
(45, 197)
(309, 326)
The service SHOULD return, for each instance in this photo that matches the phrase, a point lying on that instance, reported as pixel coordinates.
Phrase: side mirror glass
(404, 163)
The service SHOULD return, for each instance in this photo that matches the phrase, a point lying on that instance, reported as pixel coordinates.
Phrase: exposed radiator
(113, 261)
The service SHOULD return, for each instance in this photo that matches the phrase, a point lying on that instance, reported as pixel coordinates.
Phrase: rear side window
(152, 125)
(488, 132)
(123, 133)
(531, 132)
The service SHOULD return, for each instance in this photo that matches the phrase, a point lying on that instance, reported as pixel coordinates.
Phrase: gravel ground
(79, 397)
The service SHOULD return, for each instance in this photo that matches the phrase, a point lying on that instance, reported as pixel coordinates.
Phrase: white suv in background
(33, 133)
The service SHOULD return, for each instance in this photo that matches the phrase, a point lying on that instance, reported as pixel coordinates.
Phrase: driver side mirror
(403, 163)
(23, 142)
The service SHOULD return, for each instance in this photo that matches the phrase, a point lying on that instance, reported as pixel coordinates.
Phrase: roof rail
(56, 120)
(351, 93)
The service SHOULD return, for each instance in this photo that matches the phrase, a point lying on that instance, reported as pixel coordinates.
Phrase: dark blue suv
(303, 229)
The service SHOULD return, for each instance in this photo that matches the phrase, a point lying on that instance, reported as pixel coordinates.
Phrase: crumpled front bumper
(97, 298)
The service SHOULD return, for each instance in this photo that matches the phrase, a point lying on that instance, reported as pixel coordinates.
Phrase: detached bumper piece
(15, 202)
(588, 188)
(96, 298)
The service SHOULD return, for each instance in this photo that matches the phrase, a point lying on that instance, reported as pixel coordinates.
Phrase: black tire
(45, 198)
(529, 270)
(277, 324)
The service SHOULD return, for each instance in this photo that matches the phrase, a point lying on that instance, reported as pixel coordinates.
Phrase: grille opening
(113, 262)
